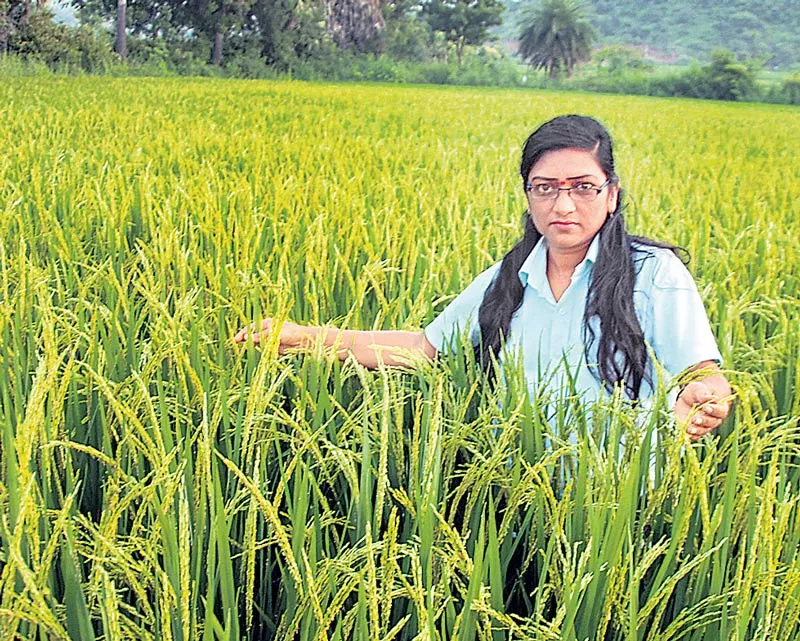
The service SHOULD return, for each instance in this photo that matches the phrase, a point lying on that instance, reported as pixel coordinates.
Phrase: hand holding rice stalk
(703, 405)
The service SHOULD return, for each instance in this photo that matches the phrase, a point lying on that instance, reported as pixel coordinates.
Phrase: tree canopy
(463, 22)
(283, 27)
(556, 35)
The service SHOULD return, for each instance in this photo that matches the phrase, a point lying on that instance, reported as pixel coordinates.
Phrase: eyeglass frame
(558, 190)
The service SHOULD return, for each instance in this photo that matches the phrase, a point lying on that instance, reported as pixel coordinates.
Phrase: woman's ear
(613, 198)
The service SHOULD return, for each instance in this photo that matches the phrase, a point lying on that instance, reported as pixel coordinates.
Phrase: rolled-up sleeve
(680, 333)
(461, 315)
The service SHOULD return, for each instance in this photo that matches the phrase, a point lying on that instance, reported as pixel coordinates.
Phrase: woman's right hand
(292, 335)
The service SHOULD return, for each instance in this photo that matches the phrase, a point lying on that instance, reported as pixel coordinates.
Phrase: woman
(576, 293)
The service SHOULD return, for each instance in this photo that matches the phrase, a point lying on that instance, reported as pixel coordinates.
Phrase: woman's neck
(560, 267)
(564, 262)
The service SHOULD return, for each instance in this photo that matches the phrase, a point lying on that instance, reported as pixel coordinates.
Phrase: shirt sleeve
(461, 315)
(680, 333)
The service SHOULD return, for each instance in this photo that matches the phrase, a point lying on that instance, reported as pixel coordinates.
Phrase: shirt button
(562, 312)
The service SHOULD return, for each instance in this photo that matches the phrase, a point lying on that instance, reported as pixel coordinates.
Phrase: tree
(617, 59)
(409, 39)
(290, 30)
(556, 36)
(144, 18)
(5, 25)
(791, 89)
(275, 20)
(15, 14)
(215, 19)
(356, 24)
(729, 79)
(25, 17)
(27, 30)
(121, 41)
(463, 22)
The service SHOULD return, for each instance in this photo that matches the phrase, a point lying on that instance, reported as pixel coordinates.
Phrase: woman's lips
(563, 223)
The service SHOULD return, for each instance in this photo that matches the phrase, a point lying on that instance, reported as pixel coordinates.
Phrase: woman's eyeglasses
(583, 192)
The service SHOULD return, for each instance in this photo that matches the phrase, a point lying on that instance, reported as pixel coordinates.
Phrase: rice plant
(159, 482)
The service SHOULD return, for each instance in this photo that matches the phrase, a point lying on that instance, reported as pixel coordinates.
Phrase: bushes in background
(413, 55)
(38, 40)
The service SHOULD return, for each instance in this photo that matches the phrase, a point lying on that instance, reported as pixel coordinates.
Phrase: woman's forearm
(373, 347)
(370, 348)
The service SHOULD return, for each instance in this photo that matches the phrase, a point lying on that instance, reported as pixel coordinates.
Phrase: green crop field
(159, 482)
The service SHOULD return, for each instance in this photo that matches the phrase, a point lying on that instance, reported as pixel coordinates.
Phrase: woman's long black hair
(621, 351)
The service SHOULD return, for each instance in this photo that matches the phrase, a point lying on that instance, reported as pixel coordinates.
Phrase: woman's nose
(563, 202)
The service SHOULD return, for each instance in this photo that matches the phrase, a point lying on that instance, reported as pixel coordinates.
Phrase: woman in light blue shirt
(576, 292)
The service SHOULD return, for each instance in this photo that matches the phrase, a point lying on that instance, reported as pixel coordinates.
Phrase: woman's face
(569, 222)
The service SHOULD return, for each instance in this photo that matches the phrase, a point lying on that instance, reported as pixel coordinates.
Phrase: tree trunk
(121, 46)
(5, 26)
(26, 11)
(216, 53)
(355, 24)
(460, 51)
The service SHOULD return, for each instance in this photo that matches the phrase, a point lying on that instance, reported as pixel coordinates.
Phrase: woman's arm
(370, 348)
(704, 403)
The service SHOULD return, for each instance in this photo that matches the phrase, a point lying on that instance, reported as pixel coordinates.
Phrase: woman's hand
(292, 335)
(703, 405)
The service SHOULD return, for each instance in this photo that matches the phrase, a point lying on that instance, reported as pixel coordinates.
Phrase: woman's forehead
(561, 164)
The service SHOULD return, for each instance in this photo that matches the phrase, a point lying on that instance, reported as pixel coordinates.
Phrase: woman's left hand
(703, 405)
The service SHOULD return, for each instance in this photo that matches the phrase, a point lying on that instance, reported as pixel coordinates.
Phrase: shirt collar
(534, 270)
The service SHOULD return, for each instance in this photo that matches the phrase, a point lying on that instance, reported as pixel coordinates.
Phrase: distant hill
(690, 29)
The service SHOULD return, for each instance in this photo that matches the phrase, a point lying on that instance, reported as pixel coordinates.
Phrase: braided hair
(621, 351)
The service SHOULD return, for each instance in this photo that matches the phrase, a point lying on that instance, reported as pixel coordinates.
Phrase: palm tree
(556, 35)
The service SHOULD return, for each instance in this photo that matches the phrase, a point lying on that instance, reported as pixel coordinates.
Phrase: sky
(64, 11)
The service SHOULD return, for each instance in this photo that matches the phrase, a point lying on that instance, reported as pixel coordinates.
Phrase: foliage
(38, 38)
(556, 35)
(685, 30)
(18, 67)
(410, 40)
(791, 89)
(617, 59)
(284, 28)
(286, 37)
(482, 68)
(724, 78)
(463, 22)
(158, 482)
(145, 18)
(727, 78)
(290, 30)
(216, 20)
